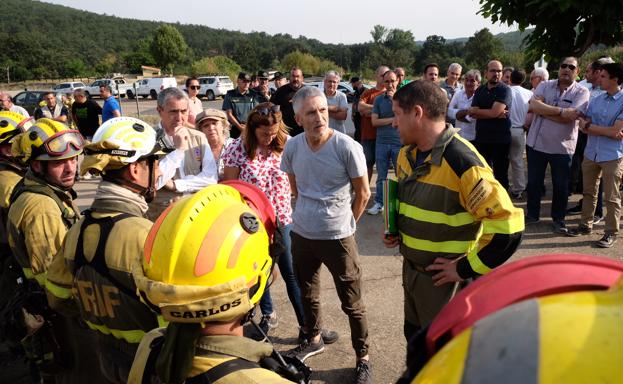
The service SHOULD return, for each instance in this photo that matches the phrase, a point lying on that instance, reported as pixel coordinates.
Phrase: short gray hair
(303, 94)
(541, 72)
(171, 93)
(333, 73)
(456, 66)
(475, 74)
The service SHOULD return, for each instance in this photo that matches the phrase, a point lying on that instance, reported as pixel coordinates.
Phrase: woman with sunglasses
(194, 104)
(255, 157)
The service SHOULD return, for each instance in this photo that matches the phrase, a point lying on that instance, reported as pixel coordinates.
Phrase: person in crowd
(460, 104)
(214, 125)
(41, 212)
(358, 89)
(452, 84)
(441, 176)
(6, 104)
(506, 75)
(86, 113)
(387, 140)
(537, 76)
(517, 113)
(111, 107)
(255, 82)
(368, 132)
(551, 141)
(262, 90)
(52, 109)
(431, 72)
(283, 98)
(279, 80)
(99, 252)
(189, 164)
(237, 104)
(401, 74)
(338, 105)
(214, 293)
(490, 107)
(603, 156)
(194, 101)
(324, 166)
(256, 158)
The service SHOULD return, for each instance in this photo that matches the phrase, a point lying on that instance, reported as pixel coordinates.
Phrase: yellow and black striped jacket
(451, 205)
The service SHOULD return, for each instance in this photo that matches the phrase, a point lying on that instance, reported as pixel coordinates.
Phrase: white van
(214, 86)
(151, 87)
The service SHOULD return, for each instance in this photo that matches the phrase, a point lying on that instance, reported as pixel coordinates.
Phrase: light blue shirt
(604, 110)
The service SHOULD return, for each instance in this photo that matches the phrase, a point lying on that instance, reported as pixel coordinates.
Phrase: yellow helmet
(48, 140)
(117, 142)
(206, 258)
(12, 124)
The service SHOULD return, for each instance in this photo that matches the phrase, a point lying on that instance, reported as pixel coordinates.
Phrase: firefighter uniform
(222, 359)
(96, 262)
(449, 206)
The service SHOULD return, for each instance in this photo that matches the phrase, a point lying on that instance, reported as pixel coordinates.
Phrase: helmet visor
(63, 143)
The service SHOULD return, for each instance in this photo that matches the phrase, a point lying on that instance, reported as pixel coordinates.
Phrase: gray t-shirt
(339, 99)
(323, 207)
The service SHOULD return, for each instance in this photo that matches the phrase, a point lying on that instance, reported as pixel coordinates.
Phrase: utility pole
(8, 76)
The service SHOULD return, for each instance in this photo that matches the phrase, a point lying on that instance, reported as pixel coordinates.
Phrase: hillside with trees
(51, 41)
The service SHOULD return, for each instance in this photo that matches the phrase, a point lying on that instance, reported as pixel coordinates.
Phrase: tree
(168, 46)
(562, 27)
(379, 33)
(481, 48)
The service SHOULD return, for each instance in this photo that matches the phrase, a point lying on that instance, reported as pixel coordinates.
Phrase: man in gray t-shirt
(323, 166)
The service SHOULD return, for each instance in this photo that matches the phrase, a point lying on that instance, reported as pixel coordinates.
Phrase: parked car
(151, 86)
(68, 87)
(29, 100)
(343, 87)
(214, 86)
(119, 87)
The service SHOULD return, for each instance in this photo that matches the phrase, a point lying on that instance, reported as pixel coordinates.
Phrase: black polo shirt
(493, 130)
(240, 105)
(283, 98)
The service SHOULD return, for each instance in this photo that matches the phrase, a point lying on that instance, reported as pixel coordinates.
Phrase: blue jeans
(384, 154)
(287, 273)
(560, 166)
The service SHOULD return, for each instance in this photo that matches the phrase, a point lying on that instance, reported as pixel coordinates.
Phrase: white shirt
(519, 107)
(339, 100)
(20, 110)
(459, 102)
(187, 183)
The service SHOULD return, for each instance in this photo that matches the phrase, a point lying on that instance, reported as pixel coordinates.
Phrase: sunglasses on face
(570, 66)
(266, 110)
(195, 87)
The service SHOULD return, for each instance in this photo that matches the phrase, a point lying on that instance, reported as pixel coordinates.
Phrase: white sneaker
(375, 210)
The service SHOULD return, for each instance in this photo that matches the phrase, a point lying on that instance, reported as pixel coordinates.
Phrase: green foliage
(481, 48)
(168, 46)
(309, 64)
(562, 27)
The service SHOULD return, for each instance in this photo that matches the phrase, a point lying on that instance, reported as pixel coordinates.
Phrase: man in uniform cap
(238, 103)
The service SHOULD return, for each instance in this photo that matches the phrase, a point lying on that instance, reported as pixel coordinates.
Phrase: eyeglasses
(266, 110)
(195, 87)
(62, 143)
(570, 66)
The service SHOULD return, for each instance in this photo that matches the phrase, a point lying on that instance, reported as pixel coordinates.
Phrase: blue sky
(325, 20)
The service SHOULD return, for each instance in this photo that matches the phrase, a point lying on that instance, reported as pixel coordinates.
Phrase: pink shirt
(265, 173)
(194, 108)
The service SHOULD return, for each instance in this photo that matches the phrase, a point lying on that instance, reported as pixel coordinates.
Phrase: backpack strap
(222, 370)
(69, 215)
(98, 262)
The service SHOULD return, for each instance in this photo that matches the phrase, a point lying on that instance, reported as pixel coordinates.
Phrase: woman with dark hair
(255, 157)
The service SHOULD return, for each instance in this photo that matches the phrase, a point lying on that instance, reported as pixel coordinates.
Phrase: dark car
(29, 100)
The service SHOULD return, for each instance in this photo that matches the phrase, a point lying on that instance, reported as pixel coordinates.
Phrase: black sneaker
(579, 231)
(516, 195)
(363, 372)
(607, 241)
(560, 228)
(329, 337)
(598, 219)
(306, 349)
(530, 220)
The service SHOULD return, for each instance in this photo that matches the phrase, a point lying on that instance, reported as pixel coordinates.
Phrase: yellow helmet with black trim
(118, 142)
(47, 140)
(206, 258)
(12, 124)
